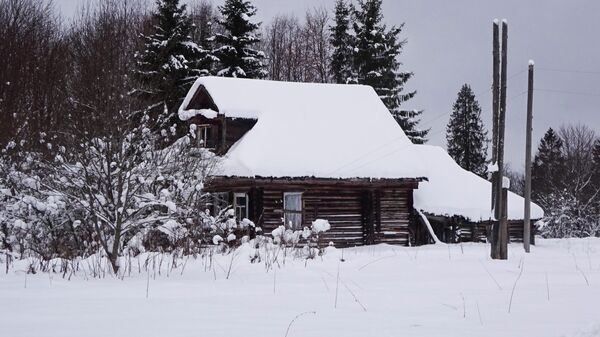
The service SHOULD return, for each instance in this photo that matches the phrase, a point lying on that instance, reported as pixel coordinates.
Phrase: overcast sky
(449, 43)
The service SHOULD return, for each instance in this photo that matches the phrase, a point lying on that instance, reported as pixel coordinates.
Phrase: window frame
(235, 205)
(203, 137)
(290, 211)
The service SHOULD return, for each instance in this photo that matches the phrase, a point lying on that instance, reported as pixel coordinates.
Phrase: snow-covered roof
(451, 190)
(309, 130)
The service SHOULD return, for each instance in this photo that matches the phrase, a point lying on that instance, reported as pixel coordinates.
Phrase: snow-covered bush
(308, 238)
(226, 231)
(102, 193)
(567, 218)
(33, 220)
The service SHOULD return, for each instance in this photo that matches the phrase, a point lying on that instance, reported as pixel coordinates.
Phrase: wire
(509, 112)
(381, 157)
(569, 92)
(592, 72)
(375, 150)
(481, 93)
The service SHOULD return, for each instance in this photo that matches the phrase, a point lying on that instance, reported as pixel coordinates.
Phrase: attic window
(204, 136)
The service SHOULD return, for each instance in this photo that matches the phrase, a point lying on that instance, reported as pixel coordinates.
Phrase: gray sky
(449, 43)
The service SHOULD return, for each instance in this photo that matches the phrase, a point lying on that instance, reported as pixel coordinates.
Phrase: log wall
(454, 230)
(358, 213)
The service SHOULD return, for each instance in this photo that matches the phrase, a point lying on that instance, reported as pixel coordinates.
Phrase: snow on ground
(442, 290)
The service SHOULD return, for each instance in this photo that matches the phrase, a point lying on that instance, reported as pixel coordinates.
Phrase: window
(292, 209)
(240, 204)
(204, 136)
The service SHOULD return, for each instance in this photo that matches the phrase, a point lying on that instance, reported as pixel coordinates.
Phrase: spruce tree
(341, 42)
(169, 63)
(547, 171)
(375, 63)
(465, 134)
(236, 55)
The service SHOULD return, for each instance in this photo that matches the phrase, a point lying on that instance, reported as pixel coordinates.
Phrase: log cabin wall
(456, 229)
(395, 207)
(359, 213)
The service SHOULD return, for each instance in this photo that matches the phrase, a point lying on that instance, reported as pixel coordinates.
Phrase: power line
(579, 93)
(591, 72)
(481, 93)
(381, 157)
(509, 111)
(375, 150)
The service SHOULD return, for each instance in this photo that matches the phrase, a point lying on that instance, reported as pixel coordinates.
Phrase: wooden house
(295, 152)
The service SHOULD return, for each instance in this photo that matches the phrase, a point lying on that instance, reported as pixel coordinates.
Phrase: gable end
(202, 100)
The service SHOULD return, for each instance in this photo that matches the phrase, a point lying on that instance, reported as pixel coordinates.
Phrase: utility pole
(528, 130)
(502, 197)
(495, 105)
(500, 227)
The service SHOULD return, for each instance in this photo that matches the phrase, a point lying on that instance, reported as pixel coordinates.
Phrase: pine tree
(169, 63)
(236, 56)
(465, 134)
(375, 63)
(547, 172)
(341, 41)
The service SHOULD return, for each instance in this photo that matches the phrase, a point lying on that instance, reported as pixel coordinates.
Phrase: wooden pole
(503, 244)
(495, 103)
(528, 130)
(504, 222)
(499, 239)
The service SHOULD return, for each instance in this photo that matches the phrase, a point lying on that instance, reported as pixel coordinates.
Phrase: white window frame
(235, 205)
(202, 134)
(301, 211)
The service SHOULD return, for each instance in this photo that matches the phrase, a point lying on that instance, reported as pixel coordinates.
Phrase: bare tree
(102, 40)
(316, 33)
(204, 16)
(571, 202)
(299, 52)
(578, 149)
(33, 68)
(281, 44)
(517, 179)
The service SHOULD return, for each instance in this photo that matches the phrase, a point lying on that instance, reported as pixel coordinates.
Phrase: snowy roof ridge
(250, 109)
(309, 130)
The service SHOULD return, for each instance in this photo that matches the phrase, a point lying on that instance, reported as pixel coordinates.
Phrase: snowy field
(382, 290)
